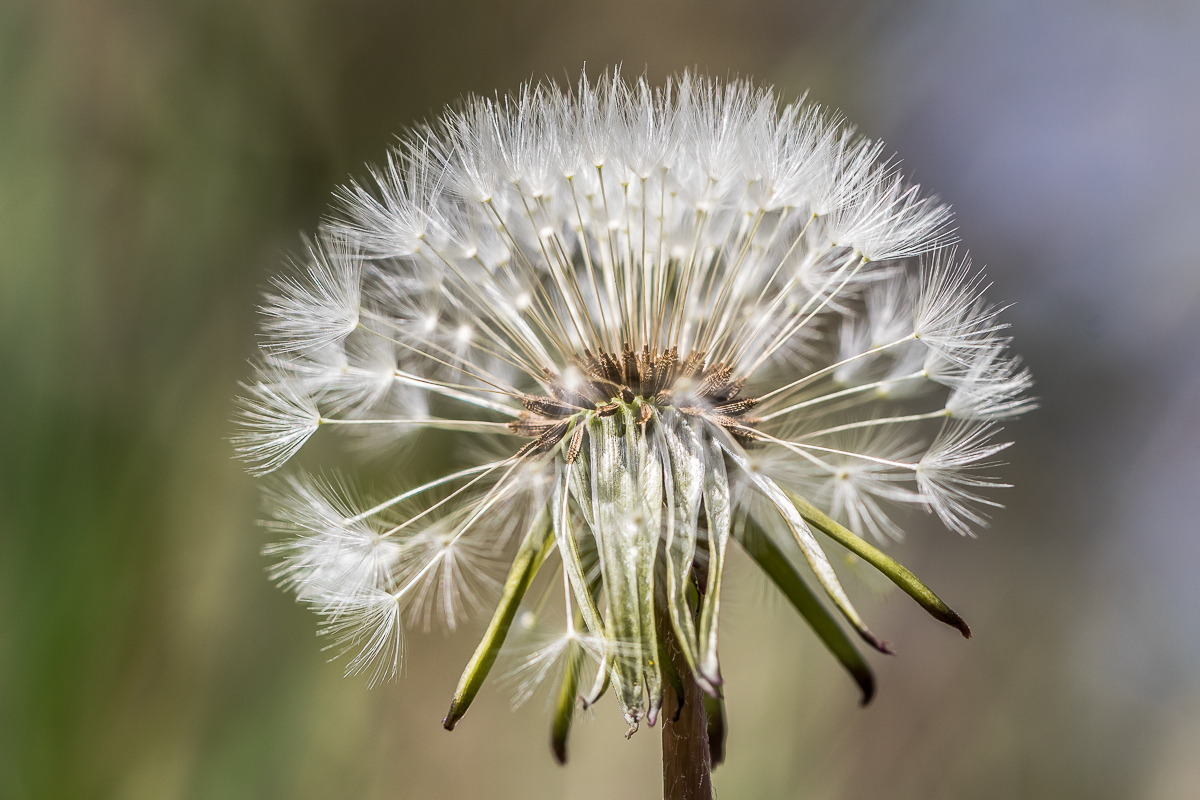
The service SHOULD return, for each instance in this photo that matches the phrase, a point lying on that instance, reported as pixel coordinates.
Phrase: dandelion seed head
(636, 319)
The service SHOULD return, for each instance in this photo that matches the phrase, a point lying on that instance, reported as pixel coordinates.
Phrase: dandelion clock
(657, 325)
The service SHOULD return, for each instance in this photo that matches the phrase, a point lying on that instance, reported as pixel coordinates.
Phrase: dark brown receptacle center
(642, 381)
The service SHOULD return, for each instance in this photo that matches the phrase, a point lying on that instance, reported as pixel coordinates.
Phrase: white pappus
(668, 311)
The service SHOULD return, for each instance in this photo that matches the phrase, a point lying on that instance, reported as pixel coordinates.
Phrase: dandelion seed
(660, 319)
(551, 655)
(331, 556)
(320, 304)
(366, 625)
(948, 478)
(276, 419)
(992, 387)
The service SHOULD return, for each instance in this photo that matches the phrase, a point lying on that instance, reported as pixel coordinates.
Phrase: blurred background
(158, 160)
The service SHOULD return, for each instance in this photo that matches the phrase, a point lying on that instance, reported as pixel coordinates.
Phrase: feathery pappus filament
(656, 323)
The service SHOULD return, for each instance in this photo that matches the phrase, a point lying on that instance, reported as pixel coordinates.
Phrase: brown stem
(686, 764)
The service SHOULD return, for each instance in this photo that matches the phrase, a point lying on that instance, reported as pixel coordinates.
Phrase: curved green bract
(781, 572)
(564, 707)
(536, 546)
(893, 569)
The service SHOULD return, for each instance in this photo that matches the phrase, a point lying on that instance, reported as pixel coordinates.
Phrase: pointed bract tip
(866, 683)
(709, 680)
(878, 644)
(558, 748)
(949, 616)
(708, 686)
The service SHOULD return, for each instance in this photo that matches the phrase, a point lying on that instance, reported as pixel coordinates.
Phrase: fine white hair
(641, 297)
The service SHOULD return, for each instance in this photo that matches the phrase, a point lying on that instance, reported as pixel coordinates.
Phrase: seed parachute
(651, 325)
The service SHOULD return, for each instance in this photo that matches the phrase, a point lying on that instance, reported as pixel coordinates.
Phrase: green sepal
(686, 469)
(604, 669)
(718, 511)
(714, 714)
(814, 554)
(893, 569)
(650, 481)
(564, 707)
(779, 569)
(534, 549)
(668, 670)
(602, 682)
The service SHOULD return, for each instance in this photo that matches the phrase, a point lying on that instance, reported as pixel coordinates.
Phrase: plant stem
(686, 764)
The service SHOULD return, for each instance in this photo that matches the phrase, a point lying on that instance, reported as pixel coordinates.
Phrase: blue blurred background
(157, 160)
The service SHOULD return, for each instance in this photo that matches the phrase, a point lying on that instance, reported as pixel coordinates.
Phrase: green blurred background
(159, 157)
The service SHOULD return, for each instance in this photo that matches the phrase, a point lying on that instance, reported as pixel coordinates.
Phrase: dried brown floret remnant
(647, 379)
